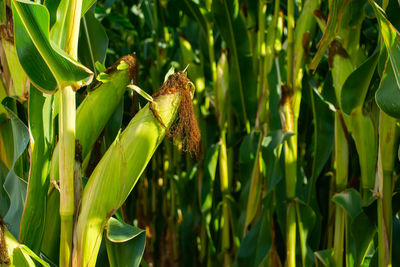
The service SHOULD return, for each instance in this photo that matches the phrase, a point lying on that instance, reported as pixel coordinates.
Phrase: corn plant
(297, 104)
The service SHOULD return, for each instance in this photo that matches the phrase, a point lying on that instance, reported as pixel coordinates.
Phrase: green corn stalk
(118, 171)
(290, 145)
(220, 97)
(388, 139)
(341, 69)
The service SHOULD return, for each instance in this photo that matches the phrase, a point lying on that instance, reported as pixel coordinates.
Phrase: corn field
(199, 133)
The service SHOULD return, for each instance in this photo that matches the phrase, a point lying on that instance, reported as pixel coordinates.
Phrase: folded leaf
(47, 66)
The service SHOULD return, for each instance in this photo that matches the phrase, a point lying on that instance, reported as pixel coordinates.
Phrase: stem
(66, 168)
(342, 163)
(290, 43)
(223, 171)
(291, 235)
(386, 158)
(67, 115)
(340, 221)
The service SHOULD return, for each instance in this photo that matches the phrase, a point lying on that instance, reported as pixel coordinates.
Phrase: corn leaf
(243, 89)
(51, 247)
(356, 86)
(93, 42)
(193, 10)
(306, 219)
(125, 244)
(46, 65)
(391, 39)
(350, 201)
(364, 135)
(33, 219)
(21, 255)
(14, 185)
(257, 243)
(388, 94)
(362, 232)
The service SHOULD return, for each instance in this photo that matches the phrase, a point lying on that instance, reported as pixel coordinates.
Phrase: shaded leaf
(243, 89)
(362, 233)
(125, 243)
(350, 201)
(388, 94)
(256, 244)
(32, 223)
(356, 86)
(93, 43)
(14, 185)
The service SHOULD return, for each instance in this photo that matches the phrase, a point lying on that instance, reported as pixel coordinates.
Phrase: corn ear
(97, 108)
(118, 171)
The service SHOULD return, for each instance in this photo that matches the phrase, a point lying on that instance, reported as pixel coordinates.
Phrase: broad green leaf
(396, 241)
(194, 10)
(364, 134)
(391, 39)
(52, 6)
(47, 66)
(272, 149)
(257, 243)
(125, 244)
(242, 87)
(14, 185)
(306, 220)
(33, 219)
(362, 232)
(388, 94)
(350, 201)
(51, 247)
(255, 182)
(274, 82)
(356, 86)
(323, 136)
(93, 42)
(119, 232)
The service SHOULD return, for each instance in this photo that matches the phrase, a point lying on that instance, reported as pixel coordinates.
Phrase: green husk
(97, 108)
(119, 170)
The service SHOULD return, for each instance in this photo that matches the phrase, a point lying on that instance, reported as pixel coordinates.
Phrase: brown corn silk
(185, 128)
